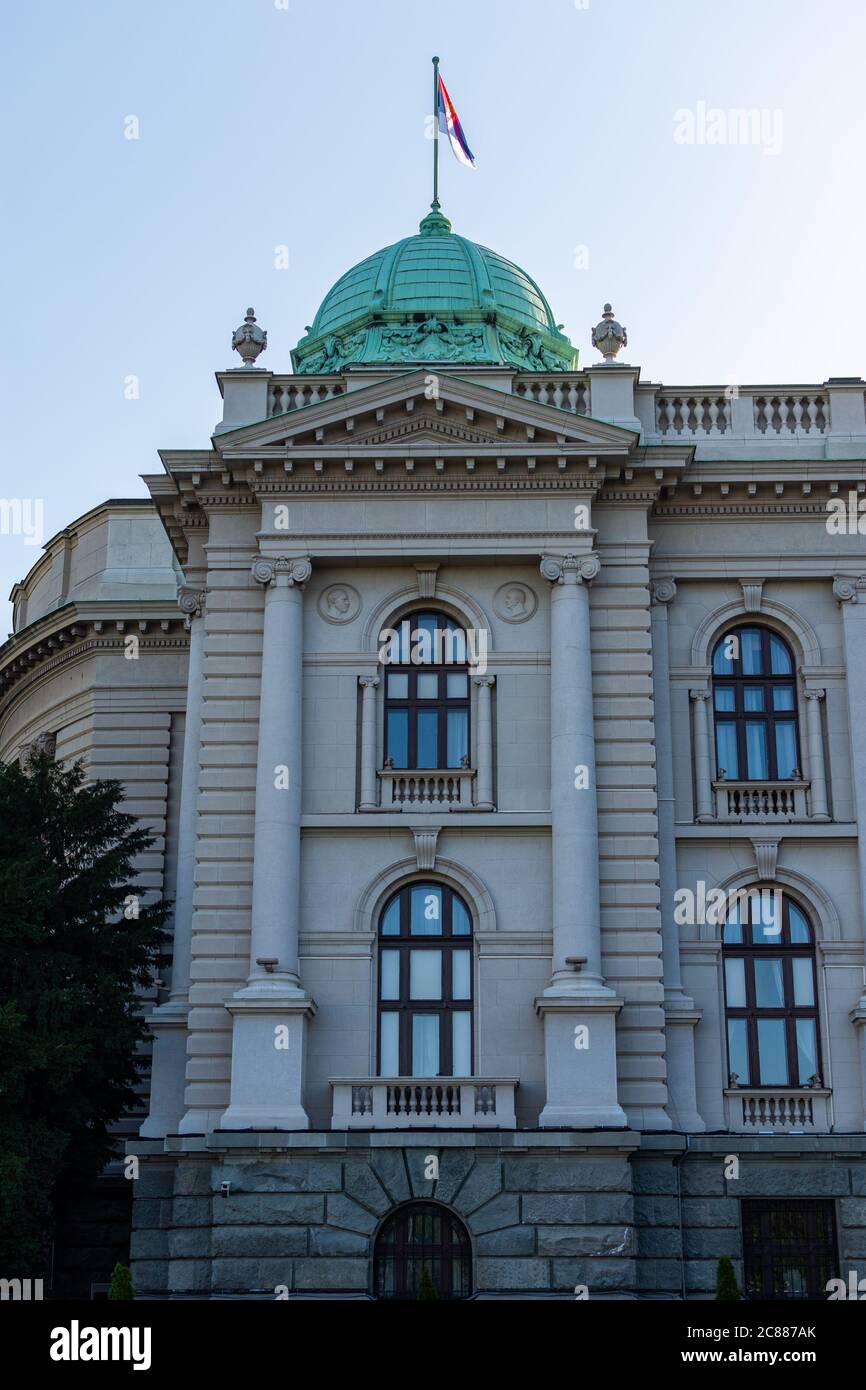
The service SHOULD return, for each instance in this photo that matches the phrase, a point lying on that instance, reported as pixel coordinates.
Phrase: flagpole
(435, 203)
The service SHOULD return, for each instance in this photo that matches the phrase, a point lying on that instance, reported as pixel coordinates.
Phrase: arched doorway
(419, 1237)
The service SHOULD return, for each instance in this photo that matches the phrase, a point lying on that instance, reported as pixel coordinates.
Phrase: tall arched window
(426, 694)
(771, 998)
(425, 984)
(420, 1248)
(755, 707)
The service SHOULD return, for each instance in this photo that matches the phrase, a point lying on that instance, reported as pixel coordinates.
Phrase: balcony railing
(708, 413)
(406, 1102)
(761, 801)
(800, 1110)
(445, 789)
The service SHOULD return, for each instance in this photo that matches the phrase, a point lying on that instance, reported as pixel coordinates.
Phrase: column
(703, 788)
(578, 1009)
(815, 744)
(484, 744)
(270, 1013)
(369, 799)
(851, 596)
(681, 1016)
(168, 1022)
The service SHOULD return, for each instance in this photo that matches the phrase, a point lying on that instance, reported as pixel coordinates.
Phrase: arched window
(425, 984)
(755, 707)
(771, 998)
(422, 1237)
(426, 694)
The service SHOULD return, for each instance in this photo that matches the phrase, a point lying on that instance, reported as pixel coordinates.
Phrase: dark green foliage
(72, 955)
(121, 1283)
(426, 1287)
(726, 1281)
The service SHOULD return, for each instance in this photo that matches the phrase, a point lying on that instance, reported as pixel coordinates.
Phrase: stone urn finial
(249, 340)
(609, 336)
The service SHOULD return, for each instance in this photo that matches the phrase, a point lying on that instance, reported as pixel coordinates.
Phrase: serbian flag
(449, 124)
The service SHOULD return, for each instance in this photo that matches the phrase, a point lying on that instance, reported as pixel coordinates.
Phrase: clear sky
(269, 123)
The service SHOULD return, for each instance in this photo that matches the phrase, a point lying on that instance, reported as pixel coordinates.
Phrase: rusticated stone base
(548, 1213)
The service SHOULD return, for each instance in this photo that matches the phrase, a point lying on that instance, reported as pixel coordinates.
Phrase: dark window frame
(441, 705)
(769, 1255)
(790, 1012)
(739, 717)
(401, 1253)
(446, 942)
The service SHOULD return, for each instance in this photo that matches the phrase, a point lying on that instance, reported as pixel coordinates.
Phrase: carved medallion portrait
(339, 603)
(514, 603)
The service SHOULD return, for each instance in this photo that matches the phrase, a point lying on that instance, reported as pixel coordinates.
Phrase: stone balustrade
(784, 1111)
(761, 801)
(444, 789)
(406, 1102)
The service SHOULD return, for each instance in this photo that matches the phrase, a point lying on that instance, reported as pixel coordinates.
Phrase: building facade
(500, 726)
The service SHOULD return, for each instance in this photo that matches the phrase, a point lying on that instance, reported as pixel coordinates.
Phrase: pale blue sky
(304, 126)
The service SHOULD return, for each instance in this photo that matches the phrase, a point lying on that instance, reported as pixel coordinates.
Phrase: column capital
(848, 590)
(368, 682)
(483, 680)
(296, 570)
(564, 569)
(699, 694)
(191, 601)
(663, 591)
(814, 694)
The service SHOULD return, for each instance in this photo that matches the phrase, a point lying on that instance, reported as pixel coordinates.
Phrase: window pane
(738, 1055)
(769, 988)
(389, 975)
(783, 697)
(756, 750)
(458, 685)
(389, 1034)
(780, 660)
(772, 1058)
(725, 698)
(722, 664)
(428, 685)
(458, 744)
(426, 914)
(460, 924)
(786, 750)
(452, 641)
(807, 1049)
(732, 933)
(798, 926)
(428, 753)
(765, 914)
(726, 750)
(424, 643)
(391, 918)
(750, 651)
(461, 1043)
(753, 697)
(398, 686)
(425, 1044)
(735, 982)
(397, 737)
(804, 982)
(425, 974)
(461, 987)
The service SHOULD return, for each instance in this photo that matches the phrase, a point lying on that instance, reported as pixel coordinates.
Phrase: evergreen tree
(121, 1283)
(75, 947)
(726, 1281)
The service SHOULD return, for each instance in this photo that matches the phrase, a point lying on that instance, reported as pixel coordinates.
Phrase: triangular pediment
(423, 410)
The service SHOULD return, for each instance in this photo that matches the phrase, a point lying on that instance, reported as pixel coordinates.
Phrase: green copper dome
(434, 297)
